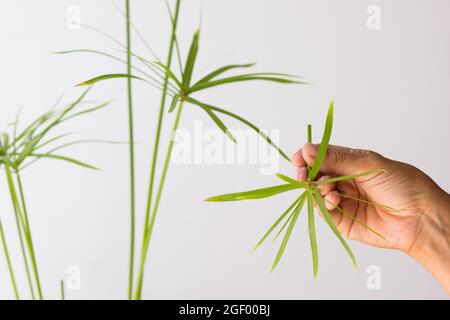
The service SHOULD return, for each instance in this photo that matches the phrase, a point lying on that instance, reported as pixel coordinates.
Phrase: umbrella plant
(181, 85)
(309, 193)
(20, 149)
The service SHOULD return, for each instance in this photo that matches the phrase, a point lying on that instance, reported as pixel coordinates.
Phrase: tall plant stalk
(24, 229)
(148, 235)
(8, 261)
(24, 253)
(131, 151)
(30, 237)
(148, 225)
(181, 89)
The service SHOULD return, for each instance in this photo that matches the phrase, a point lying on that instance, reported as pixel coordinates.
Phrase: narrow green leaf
(290, 180)
(369, 202)
(190, 62)
(43, 144)
(309, 137)
(312, 234)
(152, 81)
(86, 111)
(64, 158)
(29, 147)
(107, 77)
(240, 78)
(281, 218)
(214, 117)
(351, 177)
(320, 203)
(284, 226)
(253, 194)
(174, 102)
(170, 73)
(297, 211)
(253, 127)
(221, 70)
(324, 144)
(356, 219)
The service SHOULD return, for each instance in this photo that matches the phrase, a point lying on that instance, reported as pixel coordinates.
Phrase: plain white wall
(391, 91)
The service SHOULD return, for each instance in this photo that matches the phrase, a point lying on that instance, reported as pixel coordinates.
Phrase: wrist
(432, 242)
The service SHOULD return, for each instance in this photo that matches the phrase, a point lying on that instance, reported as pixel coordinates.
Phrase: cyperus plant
(311, 195)
(181, 88)
(20, 149)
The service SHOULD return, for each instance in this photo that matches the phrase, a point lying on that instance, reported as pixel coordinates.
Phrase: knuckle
(340, 156)
(373, 157)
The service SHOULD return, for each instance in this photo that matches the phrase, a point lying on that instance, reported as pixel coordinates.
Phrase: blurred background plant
(19, 149)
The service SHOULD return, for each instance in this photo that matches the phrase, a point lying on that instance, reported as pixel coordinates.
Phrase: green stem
(8, 260)
(309, 133)
(21, 226)
(131, 150)
(63, 291)
(30, 239)
(146, 242)
(160, 121)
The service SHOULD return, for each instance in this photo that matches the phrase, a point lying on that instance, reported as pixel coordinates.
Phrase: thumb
(342, 161)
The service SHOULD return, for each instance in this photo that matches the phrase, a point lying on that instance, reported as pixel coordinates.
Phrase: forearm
(432, 245)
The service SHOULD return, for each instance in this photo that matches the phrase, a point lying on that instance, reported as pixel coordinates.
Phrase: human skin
(420, 226)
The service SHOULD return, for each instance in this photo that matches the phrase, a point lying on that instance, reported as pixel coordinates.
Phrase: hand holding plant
(419, 227)
(348, 190)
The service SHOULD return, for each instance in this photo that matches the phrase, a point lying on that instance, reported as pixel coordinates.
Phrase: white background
(391, 91)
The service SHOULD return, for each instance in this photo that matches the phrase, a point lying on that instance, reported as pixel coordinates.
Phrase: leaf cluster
(310, 195)
(21, 148)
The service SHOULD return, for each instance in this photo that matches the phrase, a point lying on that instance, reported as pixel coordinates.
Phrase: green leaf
(152, 81)
(107, 77)
(281, 218)
(369, 202)
(324, 144)
(64, 158)
(351, 177)
(174, 102)
(284, 226)
(297, 211)
(29, 147)
(240, 78)
(253, 194)
(290, 180)
(170, 73)
(56, 117)
(253, 127)
(356, 219)
(214, 117)
(190, 62)
(312, 234)
(221, 70)
(309, 136)
(86, 111)
(329, 221)
(43, 144)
